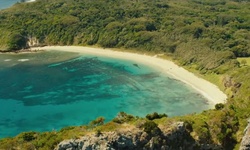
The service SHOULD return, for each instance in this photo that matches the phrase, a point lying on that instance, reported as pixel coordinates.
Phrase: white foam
(23, 60)
(7, 60)
(31, 1)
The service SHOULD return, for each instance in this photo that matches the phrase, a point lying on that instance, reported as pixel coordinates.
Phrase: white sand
(207, 89)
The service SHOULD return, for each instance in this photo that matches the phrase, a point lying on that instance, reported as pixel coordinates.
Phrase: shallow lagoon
(46, 91)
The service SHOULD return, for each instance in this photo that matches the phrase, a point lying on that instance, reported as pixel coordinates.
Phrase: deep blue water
(46, 91)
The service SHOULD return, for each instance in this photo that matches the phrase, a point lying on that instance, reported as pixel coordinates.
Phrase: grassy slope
(247, 59)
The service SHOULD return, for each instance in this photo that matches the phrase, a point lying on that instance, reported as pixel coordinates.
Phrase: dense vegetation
(205, 35)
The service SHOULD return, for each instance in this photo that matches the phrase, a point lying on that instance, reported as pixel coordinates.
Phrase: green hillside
(205, 36)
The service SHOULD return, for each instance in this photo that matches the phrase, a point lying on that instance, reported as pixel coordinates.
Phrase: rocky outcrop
(174, 137)
(109, 140)
(229, 83)
(32, 42)
(245, 143)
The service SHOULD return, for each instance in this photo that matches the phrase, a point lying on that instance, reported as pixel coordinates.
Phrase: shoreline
(30, 50)
(210, 91)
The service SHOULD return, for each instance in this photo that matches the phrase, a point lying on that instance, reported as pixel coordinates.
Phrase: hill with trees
(205, 36)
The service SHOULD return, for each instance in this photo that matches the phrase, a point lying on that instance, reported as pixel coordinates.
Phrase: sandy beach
(207, 89)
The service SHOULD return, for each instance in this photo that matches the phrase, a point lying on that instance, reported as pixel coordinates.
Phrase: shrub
(155, 115)
(123, 117)
(98, 121)
(28, 136)
(47, 140)
(219, 106)
(67, 128)
(151, 127)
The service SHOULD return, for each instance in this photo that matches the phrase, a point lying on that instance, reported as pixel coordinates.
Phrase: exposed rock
(245, 143)
(176, 137)
(229, 83)
(69, 145)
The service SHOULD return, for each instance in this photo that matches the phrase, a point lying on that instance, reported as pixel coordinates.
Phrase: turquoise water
(46, 91)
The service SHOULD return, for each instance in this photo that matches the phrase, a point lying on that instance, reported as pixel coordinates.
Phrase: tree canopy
(202, 27)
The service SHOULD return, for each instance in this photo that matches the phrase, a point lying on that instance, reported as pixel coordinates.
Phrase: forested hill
(206, 35)
(201, 26)
(220, 25)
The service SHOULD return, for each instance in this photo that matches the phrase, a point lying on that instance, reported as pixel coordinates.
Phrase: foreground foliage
(205, 35)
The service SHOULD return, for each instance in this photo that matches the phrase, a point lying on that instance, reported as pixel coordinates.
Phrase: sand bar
(207, 89)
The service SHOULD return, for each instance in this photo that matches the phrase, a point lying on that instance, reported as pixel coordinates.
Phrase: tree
(16, 42)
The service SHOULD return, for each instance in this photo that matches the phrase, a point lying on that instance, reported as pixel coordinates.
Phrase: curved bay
(54, 89)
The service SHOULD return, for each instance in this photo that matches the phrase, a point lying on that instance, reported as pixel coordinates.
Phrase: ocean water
(47, 91)
(8, 3)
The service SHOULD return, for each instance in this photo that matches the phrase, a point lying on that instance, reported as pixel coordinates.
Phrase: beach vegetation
(219, 106)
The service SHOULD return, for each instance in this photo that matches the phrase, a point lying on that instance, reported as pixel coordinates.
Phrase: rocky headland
(173, 137)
